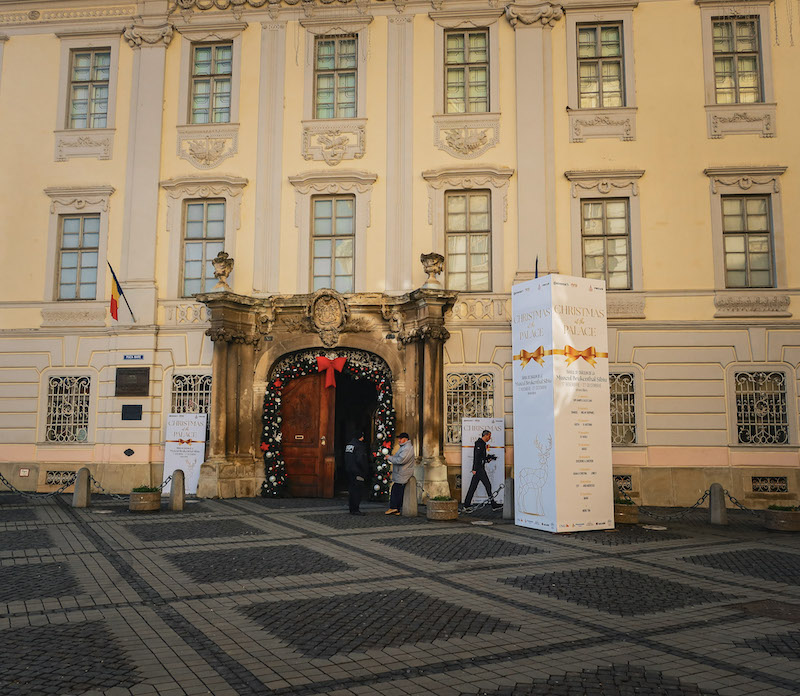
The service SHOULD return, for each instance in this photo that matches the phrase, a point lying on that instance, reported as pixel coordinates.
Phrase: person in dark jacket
(479, 475)
(356, 464)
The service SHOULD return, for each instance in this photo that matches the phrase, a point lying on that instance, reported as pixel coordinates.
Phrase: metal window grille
(469, 395)
(623, 408)
(770, 484)
(761, 414)
(623, 482)
(191, 393)
(59, 478)
(67, 409)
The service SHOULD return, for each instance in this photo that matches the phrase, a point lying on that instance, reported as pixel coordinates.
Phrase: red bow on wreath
(329, 366)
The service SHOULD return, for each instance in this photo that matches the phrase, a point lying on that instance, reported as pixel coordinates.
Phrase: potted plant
(442, 507)
(782, 518)
(145, 499)
(625, 511)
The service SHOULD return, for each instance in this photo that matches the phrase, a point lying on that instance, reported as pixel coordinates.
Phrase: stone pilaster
(533, 22)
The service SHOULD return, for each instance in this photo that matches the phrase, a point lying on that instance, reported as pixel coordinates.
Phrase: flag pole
(121, 291)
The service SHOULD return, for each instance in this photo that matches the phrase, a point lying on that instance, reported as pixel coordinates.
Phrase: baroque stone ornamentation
(744, 177)
(739, 119)
(332, 141)
(70, 14)
(207, 147)
(79, 198)
(138, 35)
(328, 313)
(620, 123)
(433, 264)
(604, 182)
(227, 335)
(186, 313)
(544, 13)
(464, 136)
(495, 308)
(467, 177)
(63, 316)
(751, 304)
(625, 305)
(70, 143)
(223, 265)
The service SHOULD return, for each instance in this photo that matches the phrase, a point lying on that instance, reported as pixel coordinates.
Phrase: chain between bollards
(675, 516)
(35, 496)
(739, 505)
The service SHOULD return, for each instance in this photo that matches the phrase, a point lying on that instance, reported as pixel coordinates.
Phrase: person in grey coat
(402, 469)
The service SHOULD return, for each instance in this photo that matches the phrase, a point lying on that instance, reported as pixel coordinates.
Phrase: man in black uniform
(479, 475)
(356, 464)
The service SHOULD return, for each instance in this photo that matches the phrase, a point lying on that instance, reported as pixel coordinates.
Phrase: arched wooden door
(307, 431)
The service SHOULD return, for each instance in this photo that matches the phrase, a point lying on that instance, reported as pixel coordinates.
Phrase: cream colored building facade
(653, 143)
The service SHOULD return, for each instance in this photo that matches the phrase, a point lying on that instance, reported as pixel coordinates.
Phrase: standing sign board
(562, 421)
(185, 447)
(471, 429)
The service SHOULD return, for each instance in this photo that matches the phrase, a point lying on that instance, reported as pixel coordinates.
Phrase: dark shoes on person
(358, 512)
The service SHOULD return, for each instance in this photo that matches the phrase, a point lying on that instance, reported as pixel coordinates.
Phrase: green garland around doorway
(358, 365)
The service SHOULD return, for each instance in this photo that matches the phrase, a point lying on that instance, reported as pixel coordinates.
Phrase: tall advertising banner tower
(562, 420)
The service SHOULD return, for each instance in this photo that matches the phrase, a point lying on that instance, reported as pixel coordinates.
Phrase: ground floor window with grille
(67, 408)
(623, 408)
(761, 414)
(191, 393)
(469, 395)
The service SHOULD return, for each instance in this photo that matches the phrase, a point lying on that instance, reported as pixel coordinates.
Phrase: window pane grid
(623, 408)
(204, 238)
(467, 72)
(761, 413)
(333, 243)
(469, 395)
(468, 240)
(600, 70)
(78, 254)
(191, 393)
(747, 240)
(737, 61)
(605, 238)
(335, 70)
(212, 66)
(67, 409)
(88, 90)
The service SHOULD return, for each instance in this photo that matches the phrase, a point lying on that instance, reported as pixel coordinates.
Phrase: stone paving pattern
(254, 596)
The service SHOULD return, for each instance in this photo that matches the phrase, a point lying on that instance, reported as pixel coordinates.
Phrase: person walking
(402, 463)
(356, 464)
(479, 475)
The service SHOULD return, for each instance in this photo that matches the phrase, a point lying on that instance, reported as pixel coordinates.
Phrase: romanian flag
(116, 293)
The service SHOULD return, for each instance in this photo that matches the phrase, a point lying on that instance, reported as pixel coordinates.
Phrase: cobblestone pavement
(281, 597)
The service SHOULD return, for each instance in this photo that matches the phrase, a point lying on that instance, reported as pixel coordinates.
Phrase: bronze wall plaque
(133, 381)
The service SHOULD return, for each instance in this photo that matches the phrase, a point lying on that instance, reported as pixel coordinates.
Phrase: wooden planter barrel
(145, 502)
(442, 509)
(782, 520)
(626, 514)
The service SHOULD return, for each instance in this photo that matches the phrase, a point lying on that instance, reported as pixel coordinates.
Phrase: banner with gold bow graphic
(590, 355)
(185, 447)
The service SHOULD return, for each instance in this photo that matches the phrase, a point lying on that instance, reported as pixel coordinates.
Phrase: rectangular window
(737, 60)
(212, 66)
(623, 408)
(191, 393)
(467, 72)
(747, 238)
(333, 243)
(600, 74)
(469, 395)
(335, 70)
(88, 88)
(67, 409)
(468, 232)
(77, 257)
(606, 241)
(203, 239)
(761, 414)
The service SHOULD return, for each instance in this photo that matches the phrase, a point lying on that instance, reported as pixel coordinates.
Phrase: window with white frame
(468, 233)
(600, 67)
(623, 408)
(747, 238)
(90, 73)
(737, 60)
(605, 238)
(335, 76)
(78, 256)
(191, 393)
(762, 416)
(467, 71)
(204, 238)
(68, 401)
(212, 78)
(333, 243)
(468, 395)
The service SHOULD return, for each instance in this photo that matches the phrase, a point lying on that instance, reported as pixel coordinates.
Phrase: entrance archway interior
(355, 406)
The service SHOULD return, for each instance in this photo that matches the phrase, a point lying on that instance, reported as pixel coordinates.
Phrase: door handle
(323, 441)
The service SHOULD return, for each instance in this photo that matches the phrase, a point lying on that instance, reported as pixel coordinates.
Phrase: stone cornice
(336, 25)
(340, 180)
(605, 181)
(745, 177)
(468, 177)
(600, 5)
(731, 4)
(79, 197)
(453, 19)
(214, 184)
(220, 31)
(545, 14)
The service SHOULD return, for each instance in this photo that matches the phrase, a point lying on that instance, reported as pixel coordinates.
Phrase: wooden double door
(307, 436)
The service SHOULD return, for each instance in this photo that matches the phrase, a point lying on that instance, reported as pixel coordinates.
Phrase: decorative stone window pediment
(605, 182)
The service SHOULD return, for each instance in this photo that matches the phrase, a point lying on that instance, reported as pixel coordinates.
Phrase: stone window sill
(602, 123)
(741, 119)
(95, 143)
